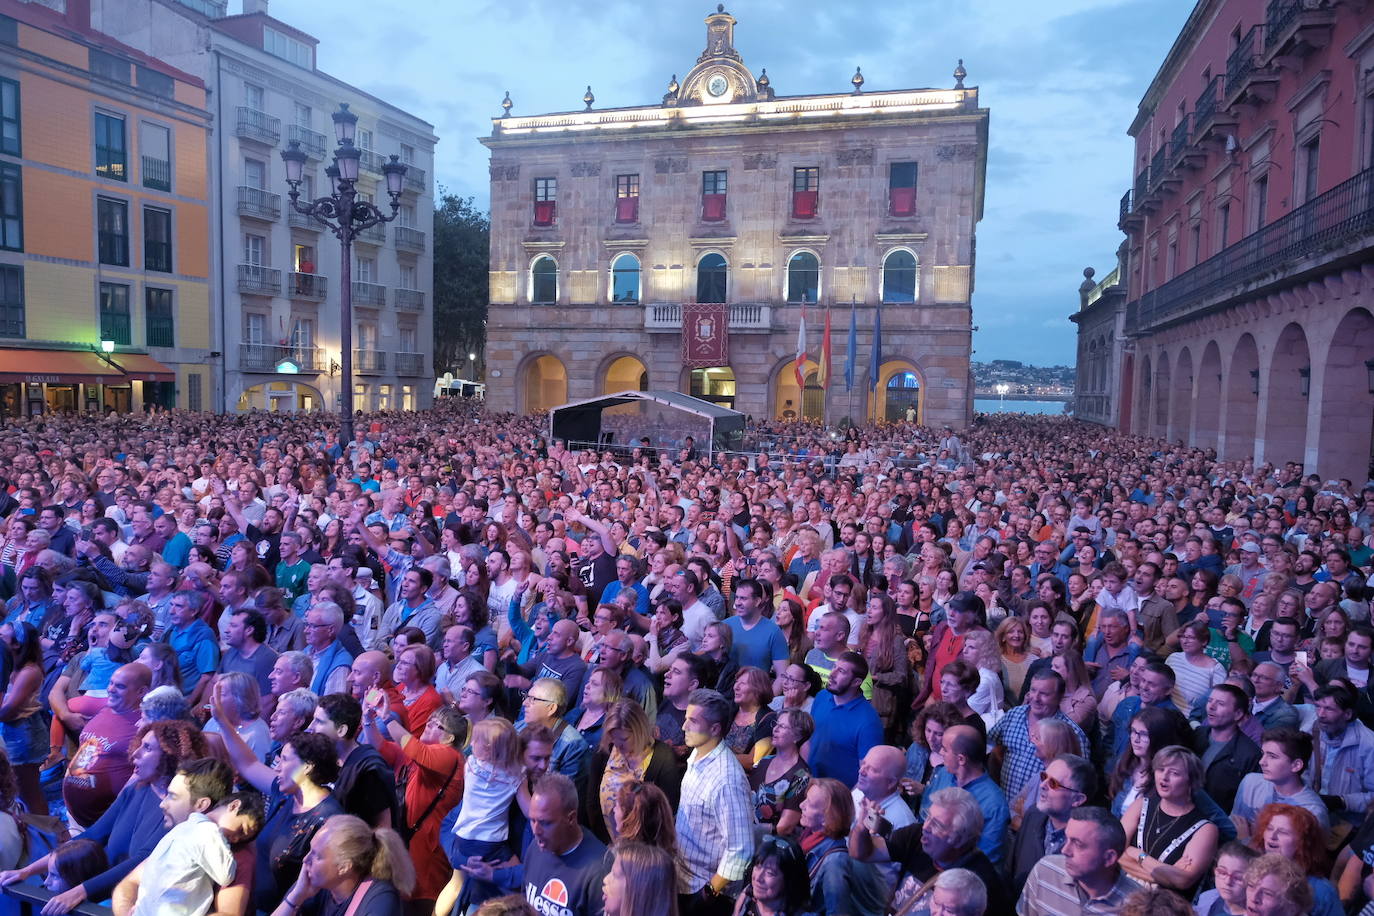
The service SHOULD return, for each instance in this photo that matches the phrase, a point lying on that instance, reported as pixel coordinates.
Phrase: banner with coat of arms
(705, 337)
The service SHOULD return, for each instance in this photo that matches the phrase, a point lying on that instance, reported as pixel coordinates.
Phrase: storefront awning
(58, 367)
(144, 367)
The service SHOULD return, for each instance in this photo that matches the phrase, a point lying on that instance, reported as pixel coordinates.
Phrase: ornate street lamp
(345, 215)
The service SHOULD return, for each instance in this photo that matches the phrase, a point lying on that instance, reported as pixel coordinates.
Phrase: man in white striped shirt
(715, 819)
(1087, 877)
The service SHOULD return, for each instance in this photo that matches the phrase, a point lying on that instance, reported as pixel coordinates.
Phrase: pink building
(1246, 323)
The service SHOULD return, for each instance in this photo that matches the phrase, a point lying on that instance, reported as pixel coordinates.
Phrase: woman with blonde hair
(981, 651)
(1013, 639)
(628, 753)
(351, 868)
(642, 882)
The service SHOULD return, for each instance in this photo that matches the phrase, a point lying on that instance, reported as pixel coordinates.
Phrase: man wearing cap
(1250, 569)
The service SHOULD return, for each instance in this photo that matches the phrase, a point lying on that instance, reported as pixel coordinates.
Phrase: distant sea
(996, 405)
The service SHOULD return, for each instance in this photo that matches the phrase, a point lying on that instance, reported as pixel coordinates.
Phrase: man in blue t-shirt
(758, 641)
(847, 725)
(565, 865)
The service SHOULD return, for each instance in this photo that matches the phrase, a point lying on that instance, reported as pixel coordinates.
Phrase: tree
(462, 245)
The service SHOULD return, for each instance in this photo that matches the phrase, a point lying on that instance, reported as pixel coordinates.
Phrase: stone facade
(577, 339)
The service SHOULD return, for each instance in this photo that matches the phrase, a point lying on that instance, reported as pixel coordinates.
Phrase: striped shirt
(1021, 764)
(1049, 891)
(715, 819)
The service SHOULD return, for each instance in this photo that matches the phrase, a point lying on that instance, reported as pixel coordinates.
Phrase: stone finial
(858, 80)
(1087, 285)
(588, 98)
(673, 86)
(959, 74)
(764, 82)
(720, 7)
(506, 105)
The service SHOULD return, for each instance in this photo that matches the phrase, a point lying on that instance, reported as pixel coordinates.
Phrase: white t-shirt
(180, 875)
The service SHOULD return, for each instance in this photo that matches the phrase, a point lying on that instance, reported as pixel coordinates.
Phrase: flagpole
(829, 371)
(851, 357)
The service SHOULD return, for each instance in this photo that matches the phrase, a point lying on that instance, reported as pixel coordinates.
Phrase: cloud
(1062, 81)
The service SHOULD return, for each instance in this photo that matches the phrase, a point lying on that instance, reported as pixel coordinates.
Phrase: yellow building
(105, 293)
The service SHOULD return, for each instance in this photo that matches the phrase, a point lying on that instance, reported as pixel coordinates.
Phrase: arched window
(625, 279)
(544, 281)
(712, 274)
(803, 277)
(899, 277)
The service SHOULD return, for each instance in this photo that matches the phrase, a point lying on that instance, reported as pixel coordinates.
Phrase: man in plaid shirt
(715, 819)
(1010, 738)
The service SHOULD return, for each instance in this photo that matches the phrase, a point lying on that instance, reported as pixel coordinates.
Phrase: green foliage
(462, 244)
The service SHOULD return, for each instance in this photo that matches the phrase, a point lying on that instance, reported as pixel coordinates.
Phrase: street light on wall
(1369, 368)
(345, 215)
(1254, 382)
(1305, 380)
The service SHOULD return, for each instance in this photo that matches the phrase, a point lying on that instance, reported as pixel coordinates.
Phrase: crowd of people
(453, 666)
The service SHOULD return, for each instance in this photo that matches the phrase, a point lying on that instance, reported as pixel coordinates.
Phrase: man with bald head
(879, 786)
(559, 660)
(373, 669)
(965, 767)
(101, 765)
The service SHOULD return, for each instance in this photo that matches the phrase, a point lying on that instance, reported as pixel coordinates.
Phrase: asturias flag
(852, 354)
(801, 350)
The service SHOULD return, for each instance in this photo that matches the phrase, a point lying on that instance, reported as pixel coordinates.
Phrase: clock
(717, 85)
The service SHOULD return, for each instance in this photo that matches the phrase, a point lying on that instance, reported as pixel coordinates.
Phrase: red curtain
(626, 209)
(804, 204)
(543, 212)
(713, 207)
(903, 201)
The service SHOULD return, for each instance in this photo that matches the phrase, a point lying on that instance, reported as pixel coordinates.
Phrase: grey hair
(300, 663)
(1115, 613)
(556, 689)
(718, 709)
(972, 894)
(556, 785)
(333, 614)
(164, 704)
(968, 817)
(438, 565)
(243, 688)
(299, 702)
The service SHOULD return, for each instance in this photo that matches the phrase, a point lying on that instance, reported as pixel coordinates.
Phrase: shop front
(34, 382)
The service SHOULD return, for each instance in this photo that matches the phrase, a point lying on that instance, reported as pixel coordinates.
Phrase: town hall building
(679, 246)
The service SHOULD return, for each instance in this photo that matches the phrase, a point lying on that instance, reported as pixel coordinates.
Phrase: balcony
(301, 221)
(410, 365)
(157, 256)
(415, 179)
(115, 326)
(408, 239)
(1248, 82)
(371, 160)
(256, 357)
(259, 204)
(259, 126)
(308, 286)
(744, 317)
(1210, 118)
(1182, 153)
(1293, 28)
(1339, 218)
(312, 141)
(258, 280)
(369, 362)
(372, 235)
(410, 300)
(370, 295)
(1130, 216)
(157, 173)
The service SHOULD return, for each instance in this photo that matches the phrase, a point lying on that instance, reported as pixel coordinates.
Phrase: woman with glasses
(1151, 729)
(780, 779)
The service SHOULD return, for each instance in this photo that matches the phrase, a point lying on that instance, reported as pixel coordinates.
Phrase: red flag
(823, 373)
(800, 363)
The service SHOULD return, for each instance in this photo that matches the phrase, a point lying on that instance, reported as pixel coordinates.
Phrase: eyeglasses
(1051, 783)
(531, 697)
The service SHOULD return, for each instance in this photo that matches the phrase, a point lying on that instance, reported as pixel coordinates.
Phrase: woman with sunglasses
(776, 883)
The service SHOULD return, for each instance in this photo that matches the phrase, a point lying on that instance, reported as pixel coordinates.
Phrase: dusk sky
(1062, 81)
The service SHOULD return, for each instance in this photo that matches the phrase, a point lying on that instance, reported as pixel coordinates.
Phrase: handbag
(408, 830)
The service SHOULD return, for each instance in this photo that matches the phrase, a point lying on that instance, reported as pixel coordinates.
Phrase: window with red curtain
(806, 192)
(626, 198)
(713, 196)
(901, 190)
(545, 200)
